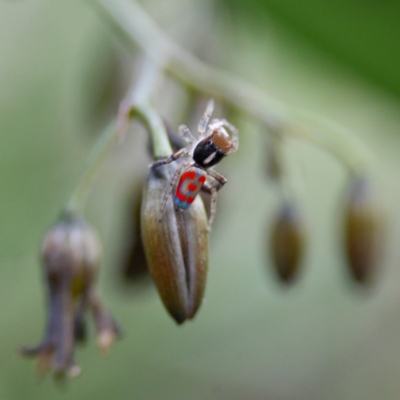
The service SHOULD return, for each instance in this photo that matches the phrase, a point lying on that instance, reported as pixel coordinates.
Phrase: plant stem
(156, 128)
(102, 147)
(138, 28)
(136, 104)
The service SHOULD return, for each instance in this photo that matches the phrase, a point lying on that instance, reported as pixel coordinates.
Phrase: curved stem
(138, 28)
(340, 142)
(99, 152)
(155, 125)
(137, 105)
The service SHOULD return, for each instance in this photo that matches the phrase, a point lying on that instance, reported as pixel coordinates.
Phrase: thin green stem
(156, 128)
(136, 105)
(96, 157)
(136, 27)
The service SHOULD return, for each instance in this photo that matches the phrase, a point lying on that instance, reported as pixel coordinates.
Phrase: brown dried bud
(71, 255)
(176, 246)
(363, 229)
(287, 243)
(134, 267)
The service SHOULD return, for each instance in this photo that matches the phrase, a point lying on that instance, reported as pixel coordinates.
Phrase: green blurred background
(62, 73)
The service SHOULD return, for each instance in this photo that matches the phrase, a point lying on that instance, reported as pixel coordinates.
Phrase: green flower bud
(287, 243)
(363, 229)
(71, 256)
(176, 247)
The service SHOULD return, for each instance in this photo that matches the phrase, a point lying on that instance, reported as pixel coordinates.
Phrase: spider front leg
(186, 134)
(220, 181)
(178, 154)
(205, 118)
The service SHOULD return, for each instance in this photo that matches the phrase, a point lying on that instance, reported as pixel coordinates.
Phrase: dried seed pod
(287, 243)
(363, 229)
(176, 247)
(71, 255)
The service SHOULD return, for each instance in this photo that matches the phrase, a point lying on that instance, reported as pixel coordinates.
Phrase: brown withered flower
(287, 242)
(71, 256)
(176, 247)
(363, 229)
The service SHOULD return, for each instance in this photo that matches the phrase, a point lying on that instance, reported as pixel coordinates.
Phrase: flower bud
(134, 269)
(363, 229)
(176, 247)
(71, 255)
(287, 243)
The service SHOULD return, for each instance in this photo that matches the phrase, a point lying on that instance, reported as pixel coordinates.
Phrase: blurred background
(63, 72)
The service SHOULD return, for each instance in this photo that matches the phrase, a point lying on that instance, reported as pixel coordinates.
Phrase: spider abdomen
(190, 184)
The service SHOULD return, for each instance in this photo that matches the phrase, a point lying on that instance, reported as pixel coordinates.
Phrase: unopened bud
(287, 243)
(176, 247)
(363, 229)
(71, 255)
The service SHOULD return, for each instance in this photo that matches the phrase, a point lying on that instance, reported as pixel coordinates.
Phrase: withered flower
(363, 229)
(71, 256)
(176, 247)
(287, 243)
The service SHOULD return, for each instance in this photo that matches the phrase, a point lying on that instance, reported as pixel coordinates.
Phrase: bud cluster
(362, 231)
(171, 242)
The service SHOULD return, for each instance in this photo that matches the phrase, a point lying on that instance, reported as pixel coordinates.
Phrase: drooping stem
(156, 128)
(100, 151)
(136, 105)
(137, 27)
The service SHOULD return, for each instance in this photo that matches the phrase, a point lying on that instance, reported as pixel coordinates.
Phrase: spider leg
(178, 154)
(218, 177)
(219, 123)
(172, 183)
(220, 181)
(202, 128)
(186, 134)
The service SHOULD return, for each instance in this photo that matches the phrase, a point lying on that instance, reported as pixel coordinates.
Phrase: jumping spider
(213, 145)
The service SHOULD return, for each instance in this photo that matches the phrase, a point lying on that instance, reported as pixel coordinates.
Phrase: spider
(213, 144)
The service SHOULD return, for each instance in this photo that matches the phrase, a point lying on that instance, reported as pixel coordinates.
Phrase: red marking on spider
(189, 186)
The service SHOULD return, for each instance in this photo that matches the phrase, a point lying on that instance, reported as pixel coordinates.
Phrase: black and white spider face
(212, 145)
(212, 149)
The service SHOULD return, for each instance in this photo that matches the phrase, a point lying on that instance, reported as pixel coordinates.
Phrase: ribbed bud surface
(176, 246)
